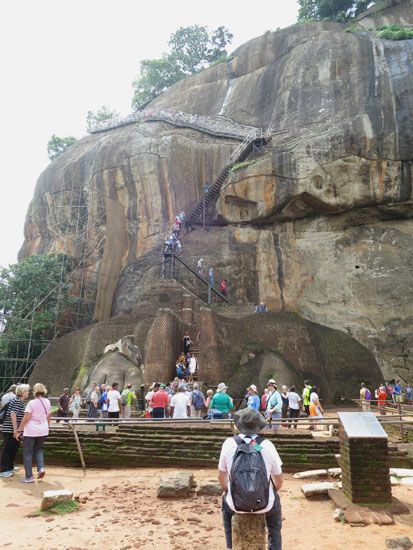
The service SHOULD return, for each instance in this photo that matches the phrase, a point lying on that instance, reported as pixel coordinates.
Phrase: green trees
(56, 145)
(340, 10)
(191, 50)
(33, 293)
(104, 113)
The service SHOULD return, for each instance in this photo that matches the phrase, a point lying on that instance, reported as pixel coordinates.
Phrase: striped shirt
(16, 405)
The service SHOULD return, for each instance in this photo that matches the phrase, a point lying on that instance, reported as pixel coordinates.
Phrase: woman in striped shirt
(11, 441)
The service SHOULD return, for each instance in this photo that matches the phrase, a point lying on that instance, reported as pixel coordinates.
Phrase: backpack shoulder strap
(238, 440)
(259, 439)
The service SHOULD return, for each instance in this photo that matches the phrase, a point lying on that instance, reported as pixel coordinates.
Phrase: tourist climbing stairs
(171, 262)
(239, 155)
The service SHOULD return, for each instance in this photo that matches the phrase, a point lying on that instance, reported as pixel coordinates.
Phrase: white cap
(253, 387)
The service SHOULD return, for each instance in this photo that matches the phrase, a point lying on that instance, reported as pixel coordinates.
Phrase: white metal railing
(215, 125)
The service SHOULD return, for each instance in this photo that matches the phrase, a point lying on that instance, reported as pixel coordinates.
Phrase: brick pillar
(365, 469)
(188, 312)
(210, 367)
(162, 345)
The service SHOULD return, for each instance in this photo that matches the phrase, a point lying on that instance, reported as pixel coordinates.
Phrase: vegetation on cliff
(191, 50)
(32, 295)
(340, 10)
(56, 145)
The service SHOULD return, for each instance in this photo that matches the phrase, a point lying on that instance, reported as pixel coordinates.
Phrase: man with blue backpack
(249, 471)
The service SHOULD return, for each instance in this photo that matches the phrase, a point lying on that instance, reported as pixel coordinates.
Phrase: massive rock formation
(318, 225)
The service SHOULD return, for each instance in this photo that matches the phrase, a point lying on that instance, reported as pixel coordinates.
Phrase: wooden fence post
(248, 531)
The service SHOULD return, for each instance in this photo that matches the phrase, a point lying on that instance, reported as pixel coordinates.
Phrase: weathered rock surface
(176, 485)
(319, 225)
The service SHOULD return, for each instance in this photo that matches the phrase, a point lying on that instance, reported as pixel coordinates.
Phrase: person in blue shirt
(397, 392)
(274, 403)
(253, 400)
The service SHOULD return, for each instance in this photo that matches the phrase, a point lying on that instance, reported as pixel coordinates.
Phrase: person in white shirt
(250, 423)
(180, 404)
(148, 399)
(192, 367)
(293, 405)
(114, 401)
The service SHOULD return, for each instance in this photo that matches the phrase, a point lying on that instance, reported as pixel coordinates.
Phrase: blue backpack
(197, 400)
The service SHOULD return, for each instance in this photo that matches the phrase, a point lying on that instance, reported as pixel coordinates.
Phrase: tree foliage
(56, 145)
(191, 49)
(104, 113)
(339, 10)
(33, 293)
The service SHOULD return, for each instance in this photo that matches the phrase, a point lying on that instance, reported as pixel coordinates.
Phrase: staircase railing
(211, 289)
(212, 193)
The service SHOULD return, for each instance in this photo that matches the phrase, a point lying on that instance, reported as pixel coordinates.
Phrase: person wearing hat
(250, 423)
(221, 404)
(253, 401)
(274, 403)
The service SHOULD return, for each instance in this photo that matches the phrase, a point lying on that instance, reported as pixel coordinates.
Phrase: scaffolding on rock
(76, 226)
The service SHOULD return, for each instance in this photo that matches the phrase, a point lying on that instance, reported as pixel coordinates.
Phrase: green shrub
(240, 165)
(394, 32)
(351, 28)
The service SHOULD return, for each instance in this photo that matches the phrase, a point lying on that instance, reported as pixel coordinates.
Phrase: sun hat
(249, 421)
(253, 387)
(221, 387)
(272, 382)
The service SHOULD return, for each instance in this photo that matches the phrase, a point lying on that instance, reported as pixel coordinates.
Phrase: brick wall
(365, 469)
(163, 345)
(210, 364)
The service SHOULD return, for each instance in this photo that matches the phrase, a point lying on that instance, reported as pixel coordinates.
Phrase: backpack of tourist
(198, 400)
(124, 397)
(3, 411)
(250, 486)
(367, 395)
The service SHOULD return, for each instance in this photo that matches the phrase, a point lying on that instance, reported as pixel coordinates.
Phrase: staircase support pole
(209, 294)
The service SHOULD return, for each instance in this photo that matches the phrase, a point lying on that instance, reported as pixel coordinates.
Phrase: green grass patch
(224, 59)
(351, 28)
(60, 510)
(241, 165)
(64, 508)
(394, 32)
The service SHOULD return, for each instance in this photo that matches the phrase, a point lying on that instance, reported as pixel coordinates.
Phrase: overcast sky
(60, 59)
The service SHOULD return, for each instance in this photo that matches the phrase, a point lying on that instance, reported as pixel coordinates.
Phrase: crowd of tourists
(386, 394)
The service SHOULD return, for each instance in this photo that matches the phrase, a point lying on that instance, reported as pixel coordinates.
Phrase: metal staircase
(170, 260)
(240, 154)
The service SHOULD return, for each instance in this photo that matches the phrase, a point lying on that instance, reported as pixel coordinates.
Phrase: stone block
(309, 474)
(334, 472)
(176, 485)
(404, 542)
(51, 498)
(313, 489)
(209, 487)
(401, 472)
(248, 531)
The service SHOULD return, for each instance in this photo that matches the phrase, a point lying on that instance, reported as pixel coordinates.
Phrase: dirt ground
(123, 512)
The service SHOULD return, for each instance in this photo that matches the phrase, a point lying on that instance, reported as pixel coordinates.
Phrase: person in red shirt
(381, 400)
(159, 402)
(264, 398)
(223, 287)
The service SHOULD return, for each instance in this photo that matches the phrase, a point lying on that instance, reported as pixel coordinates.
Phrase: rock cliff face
(318, 225)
